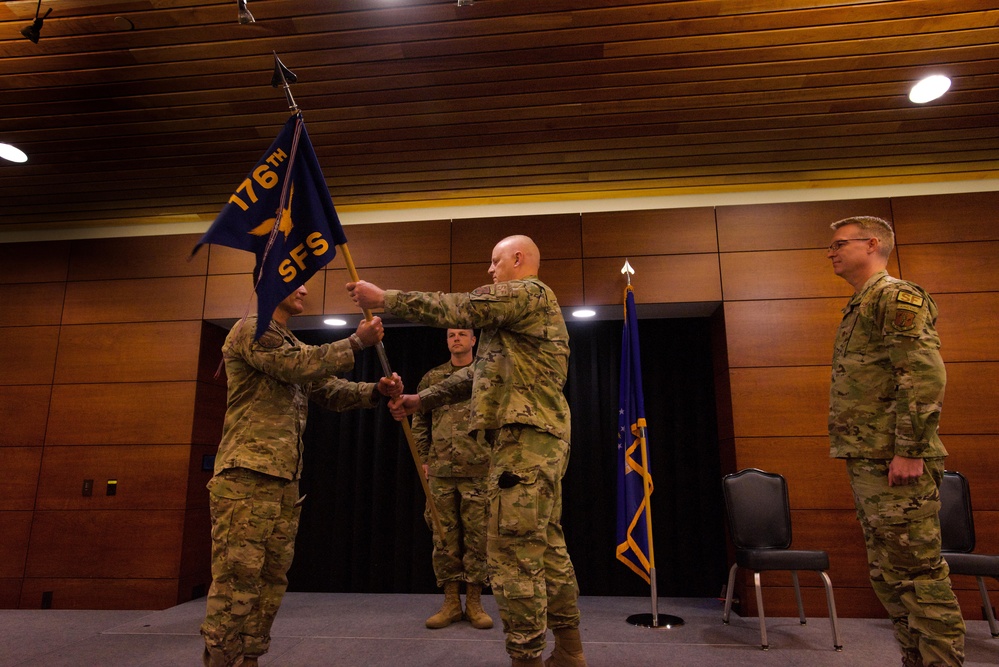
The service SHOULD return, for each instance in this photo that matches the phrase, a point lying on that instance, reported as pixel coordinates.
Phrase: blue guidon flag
(283, 214)
(633, 469)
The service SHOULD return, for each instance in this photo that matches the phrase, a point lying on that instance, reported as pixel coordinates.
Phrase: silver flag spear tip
(627, 271)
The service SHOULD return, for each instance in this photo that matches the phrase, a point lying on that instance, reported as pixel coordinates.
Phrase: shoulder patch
(908, 297)
(271, 340)
(501, 290)
(904, 320)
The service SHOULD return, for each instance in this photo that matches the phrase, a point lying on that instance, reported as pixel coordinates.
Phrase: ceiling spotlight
(584, 312)
(929, 89)
(335, 322)
(243, 13)
(34, 31)
(12, 153)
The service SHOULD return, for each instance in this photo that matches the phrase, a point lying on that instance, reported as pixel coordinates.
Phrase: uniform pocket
(518, 589)
(517, 504)
(233, 484)
(933, 592)
(860, 335)
(912, 524)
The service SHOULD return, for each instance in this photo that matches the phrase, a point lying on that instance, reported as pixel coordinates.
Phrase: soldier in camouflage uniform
(457, 465)
(253, 497)
(887, 389)
(515, 386)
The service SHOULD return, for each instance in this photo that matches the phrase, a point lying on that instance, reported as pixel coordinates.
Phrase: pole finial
(627, 270)
(284, 77)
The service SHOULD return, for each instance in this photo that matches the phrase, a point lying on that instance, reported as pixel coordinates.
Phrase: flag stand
(654, 620)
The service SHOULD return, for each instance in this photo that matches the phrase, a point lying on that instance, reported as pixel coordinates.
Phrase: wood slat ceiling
(416, 102)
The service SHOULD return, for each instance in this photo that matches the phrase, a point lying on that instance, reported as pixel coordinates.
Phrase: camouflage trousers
(463, 506)
(902, 531)
(532, 577)
(254, 522)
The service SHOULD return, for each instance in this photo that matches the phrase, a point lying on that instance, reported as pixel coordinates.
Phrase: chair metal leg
(987, 606)
(729, 592)
(797, 597)
(759, 605)
(827, 582)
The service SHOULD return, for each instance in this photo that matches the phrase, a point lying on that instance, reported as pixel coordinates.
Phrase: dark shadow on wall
(362, 524)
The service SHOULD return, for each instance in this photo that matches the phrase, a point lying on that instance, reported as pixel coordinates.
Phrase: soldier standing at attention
(515, 385)
(253, 495)
(884, 407)
(457, 465)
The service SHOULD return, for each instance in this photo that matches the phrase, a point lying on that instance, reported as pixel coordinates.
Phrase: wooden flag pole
(387, 370)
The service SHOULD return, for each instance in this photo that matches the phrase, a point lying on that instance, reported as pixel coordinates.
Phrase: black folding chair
(759, 521)
(957, 528)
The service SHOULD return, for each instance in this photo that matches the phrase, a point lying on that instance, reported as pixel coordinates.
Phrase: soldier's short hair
(876, 227)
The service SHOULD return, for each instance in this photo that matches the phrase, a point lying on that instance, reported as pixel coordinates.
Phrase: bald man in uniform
(515, 384)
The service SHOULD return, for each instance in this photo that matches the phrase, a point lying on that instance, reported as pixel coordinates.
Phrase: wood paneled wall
(106, 384)
(109, 371)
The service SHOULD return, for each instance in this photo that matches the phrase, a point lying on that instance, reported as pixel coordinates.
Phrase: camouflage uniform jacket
(887, 374)
(523, 356)
(270, 384)
(442, 438)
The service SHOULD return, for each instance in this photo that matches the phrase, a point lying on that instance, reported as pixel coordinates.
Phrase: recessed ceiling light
(929, 89)
(12, 153)
(334, 322)
(584, 312)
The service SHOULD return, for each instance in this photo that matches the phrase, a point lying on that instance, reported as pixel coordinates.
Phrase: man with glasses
(884, 408)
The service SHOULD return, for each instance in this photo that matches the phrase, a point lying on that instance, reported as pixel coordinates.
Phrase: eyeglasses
(836, 246)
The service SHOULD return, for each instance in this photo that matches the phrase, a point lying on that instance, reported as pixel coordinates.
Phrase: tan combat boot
(450, 610)
(474, 612)
(214, 658)
(568, 649)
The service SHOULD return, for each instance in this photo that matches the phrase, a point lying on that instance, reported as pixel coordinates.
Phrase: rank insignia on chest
(904, 320)
(909, 297)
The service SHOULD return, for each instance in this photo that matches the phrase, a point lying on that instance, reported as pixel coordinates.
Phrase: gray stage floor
(319, 629)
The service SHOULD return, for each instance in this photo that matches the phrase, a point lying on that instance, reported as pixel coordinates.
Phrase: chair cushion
(781, 559)
(976, 565)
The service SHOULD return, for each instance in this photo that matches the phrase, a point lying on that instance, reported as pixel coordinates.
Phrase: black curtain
(362, 524)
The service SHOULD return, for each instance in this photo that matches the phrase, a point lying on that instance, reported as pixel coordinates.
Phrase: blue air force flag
(290, 244)
(633, 469)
